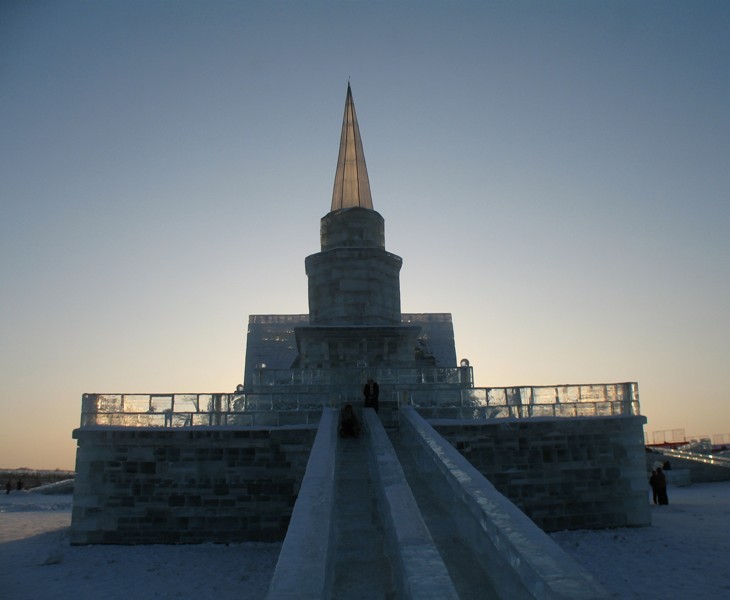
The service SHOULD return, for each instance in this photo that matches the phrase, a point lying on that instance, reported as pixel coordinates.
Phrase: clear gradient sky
(554, 174)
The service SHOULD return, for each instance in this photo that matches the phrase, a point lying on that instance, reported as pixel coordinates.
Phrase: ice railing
(358, 376)
(291, 407)
(587, 400)
(709, 459)
(192, 410)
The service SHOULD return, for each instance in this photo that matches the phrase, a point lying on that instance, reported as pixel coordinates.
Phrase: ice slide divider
(418, 568)
(521, 559)
(304, 568)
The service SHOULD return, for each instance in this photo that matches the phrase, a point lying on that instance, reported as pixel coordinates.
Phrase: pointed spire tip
(352, 186)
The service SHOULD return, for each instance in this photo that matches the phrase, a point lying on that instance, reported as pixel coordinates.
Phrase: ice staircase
(401, 515)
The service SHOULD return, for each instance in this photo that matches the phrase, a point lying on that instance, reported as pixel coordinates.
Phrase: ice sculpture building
(243, 465)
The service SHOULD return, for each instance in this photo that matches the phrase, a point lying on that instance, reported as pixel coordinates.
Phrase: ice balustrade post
(89, 409)
(633, 404)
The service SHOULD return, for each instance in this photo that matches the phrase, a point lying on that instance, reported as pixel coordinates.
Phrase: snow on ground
(684, 554)
(37, 562)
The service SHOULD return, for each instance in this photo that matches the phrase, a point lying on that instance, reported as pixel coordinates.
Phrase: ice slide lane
(361, 567)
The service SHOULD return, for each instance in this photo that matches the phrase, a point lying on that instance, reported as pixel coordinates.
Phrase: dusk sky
(556, 175)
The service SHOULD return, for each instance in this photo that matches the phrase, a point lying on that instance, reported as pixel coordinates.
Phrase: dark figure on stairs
(349, 425)
(371, 391)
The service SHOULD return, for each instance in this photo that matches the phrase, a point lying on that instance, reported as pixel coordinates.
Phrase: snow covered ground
(684, 554)
(36, 561)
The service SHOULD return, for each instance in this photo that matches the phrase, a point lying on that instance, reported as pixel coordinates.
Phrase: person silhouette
(653, 482)
(661, 486)
(349, 425)
(371, 391)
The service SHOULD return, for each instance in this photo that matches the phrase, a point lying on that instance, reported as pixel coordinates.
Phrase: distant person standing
(19, 485)
(661, 486)
(653, 482)
(371, 391)
(8, 487)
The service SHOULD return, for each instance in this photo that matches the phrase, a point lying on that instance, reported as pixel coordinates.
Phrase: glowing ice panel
(160, 403)
(543, 395)
(186, 403)
(136, 403)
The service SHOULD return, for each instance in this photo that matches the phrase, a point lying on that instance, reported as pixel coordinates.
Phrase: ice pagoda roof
(352, 186)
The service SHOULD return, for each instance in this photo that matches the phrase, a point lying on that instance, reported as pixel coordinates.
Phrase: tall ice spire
(352, 187)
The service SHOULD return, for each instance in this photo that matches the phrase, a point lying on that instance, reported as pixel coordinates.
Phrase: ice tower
(354, 285)
(355, 327)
